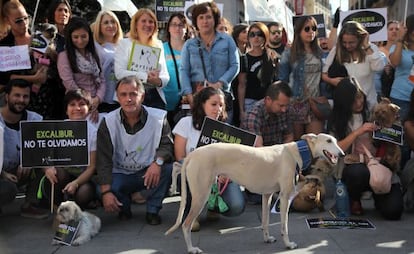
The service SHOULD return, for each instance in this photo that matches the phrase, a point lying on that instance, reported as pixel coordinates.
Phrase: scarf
(88, 65)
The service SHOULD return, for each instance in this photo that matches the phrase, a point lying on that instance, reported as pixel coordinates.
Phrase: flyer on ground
(339, 223)
(54, 143)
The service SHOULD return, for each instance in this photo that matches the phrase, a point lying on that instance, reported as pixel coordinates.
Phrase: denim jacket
(297, 70)
(221, 62)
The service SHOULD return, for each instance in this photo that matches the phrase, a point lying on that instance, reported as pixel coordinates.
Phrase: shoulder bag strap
(175, 65)
(131, 55)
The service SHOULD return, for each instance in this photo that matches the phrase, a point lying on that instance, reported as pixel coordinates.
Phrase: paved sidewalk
(241, 234)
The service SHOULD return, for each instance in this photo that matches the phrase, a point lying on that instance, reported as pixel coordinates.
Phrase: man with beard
(275, 37)
(13, 176)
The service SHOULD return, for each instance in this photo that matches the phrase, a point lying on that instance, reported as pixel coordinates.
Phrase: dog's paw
(194, 250)
(291, 245)
(270, 239)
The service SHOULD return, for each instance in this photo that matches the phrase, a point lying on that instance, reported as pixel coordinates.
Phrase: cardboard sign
(164, 9)
(144, 59)
(54, 143)
(339, 223)
(374, 20)
(15, 58)
(65, 233)
(214, 131)
(395, 134)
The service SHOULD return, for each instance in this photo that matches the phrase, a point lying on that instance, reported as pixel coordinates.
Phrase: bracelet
(106, 192)
(77, 184)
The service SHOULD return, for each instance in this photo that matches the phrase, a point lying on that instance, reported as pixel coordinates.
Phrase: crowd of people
(249, 76)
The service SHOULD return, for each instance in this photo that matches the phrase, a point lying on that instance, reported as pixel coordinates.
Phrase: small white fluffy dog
(90, 224)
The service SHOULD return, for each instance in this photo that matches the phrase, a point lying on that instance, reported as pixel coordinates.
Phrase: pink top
(73, 81)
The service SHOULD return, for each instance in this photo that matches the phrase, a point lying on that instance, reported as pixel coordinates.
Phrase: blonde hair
(96, 28)
(6, 7)
(133, 34)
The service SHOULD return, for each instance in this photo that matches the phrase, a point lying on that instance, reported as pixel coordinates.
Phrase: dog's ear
(308, 137)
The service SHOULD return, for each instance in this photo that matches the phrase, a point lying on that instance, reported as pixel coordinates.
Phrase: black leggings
(356, 178)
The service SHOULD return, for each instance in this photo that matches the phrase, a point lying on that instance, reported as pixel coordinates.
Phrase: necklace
(208, 42)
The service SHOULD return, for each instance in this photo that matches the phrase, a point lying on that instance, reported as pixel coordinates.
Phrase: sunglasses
(21, 20)
(258, 33)
(308, 28)
(275, 32)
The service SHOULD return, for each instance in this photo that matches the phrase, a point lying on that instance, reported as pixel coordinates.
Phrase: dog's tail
(183, 197)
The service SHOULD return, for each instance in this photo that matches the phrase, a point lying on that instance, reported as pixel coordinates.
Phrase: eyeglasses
(177, 25)
(18, 21)
(276, 32)
(258, 33)
(308, 28)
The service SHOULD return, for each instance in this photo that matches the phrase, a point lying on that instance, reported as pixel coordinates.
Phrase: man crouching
(133, 143)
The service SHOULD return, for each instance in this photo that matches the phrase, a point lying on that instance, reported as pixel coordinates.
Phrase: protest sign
(14, 58)
(54, 143)
(394, 134)
(214, 131)
(374, 20)
(144, 58)
(164, 9)
(66, 233)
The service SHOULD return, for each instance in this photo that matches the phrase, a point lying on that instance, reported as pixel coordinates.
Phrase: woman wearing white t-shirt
(209, 102)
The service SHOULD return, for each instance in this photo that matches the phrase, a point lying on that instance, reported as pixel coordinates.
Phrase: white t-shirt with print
(185, 129)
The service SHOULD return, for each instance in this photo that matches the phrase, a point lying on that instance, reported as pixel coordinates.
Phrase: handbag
(215, 201)
(320, 107)
(380, 175)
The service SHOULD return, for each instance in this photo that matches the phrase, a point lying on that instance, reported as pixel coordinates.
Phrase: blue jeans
(123, 185)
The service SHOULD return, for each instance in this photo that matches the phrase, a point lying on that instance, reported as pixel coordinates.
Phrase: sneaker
(34, 212)
(196, 226)
(153, 219)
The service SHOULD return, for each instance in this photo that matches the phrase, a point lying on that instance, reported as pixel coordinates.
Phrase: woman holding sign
(142, 55)
(76, 181)
(15, 18)
(209, 102)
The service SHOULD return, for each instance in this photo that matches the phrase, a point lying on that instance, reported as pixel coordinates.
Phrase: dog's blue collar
(305, 154)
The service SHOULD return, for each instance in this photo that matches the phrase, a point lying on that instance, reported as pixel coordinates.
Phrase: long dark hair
(52, 8)
(298, 47)
(76, 23)
(344, 97)
(197, 110)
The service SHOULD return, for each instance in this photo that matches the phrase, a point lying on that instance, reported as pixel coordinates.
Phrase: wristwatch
(159, 161)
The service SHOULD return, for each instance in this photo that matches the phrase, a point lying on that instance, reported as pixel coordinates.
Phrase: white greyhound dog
(263, 170)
